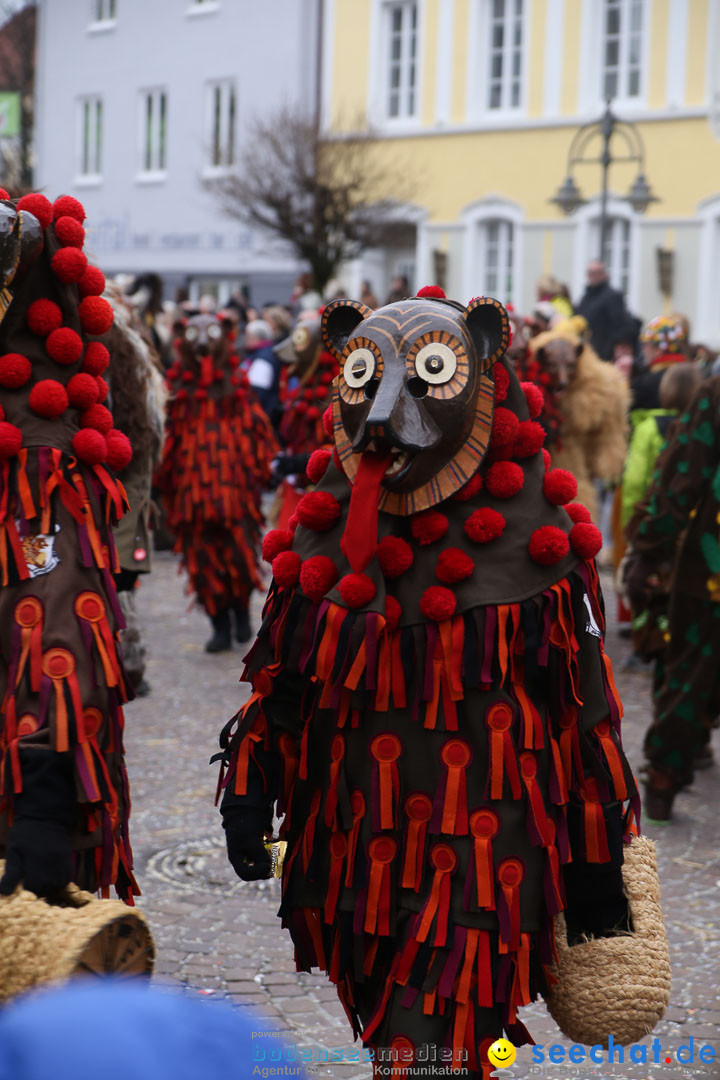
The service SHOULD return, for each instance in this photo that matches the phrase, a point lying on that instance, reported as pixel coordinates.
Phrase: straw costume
(432, 708)
(65, 800)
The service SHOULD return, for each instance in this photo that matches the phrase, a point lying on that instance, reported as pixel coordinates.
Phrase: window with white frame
(90, 140)
(617, 250)
(221, 110)
(622, 48)
(153, 127)
(505, 54)
(496, 258)
(104, 10)
(400, 35)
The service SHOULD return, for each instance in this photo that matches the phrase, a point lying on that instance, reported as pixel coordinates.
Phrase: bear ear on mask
(338, 322)
(489, 327)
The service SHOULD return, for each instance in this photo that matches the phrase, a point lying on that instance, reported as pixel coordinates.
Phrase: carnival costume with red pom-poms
(432, 708)
(61, 675)
(216, 461)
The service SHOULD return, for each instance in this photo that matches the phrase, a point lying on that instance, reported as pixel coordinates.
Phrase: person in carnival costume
(65, 799)
(432, 710)
(216, 460)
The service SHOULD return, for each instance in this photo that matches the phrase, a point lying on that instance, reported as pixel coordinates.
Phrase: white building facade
(140, 101)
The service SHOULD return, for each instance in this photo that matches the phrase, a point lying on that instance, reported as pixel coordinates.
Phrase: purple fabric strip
(111, 596)
(452, 964)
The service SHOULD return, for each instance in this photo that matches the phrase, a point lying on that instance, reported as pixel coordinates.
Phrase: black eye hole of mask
(371, 388)
(417, 387)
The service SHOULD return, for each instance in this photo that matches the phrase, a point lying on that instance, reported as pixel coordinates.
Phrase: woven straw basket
(617, 986)
(43, 943)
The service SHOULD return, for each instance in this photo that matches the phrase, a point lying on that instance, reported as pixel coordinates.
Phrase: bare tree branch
(329, 199)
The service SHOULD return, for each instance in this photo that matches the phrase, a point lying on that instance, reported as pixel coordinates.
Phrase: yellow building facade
(478, 101)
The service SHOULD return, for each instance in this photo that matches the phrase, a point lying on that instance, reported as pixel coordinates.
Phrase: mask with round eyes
(415, 384)
(21, 242)
(302, 347)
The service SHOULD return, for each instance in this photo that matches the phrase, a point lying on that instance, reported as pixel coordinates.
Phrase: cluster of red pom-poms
(69, 232)
(44, 316)
(428, 526)
(559, 486)
(454, 565)
(15, 370)
(438, 603)
(317, 577)
(48, 398)
(534, 399)
(484, 525)
(470, 489)
(502, 382)
(286, 569)
(356, 590)
(394, 556)
(274, 542)
(548, 545)
(64, 346)
(39, 206)
(96, 358)
(96, 315)
(529, 439)
(504, 479)
(586, 539)
(318, 510)
(69, 264)
(317, 465)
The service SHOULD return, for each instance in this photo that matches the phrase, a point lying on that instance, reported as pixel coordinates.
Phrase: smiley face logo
(502, 1053)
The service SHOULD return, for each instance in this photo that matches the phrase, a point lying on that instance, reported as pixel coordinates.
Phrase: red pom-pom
(467, 491)
(485, 525)
(293, 520)
(530, 438)
(10, 440)
(586, 539)
(274, 542)
(428, 526)
(318, 510)
(534, 398)
(96, 315)
(578, 513)
(98, 417)
(559, 486)
(43, 316)
(96, 358)
(393, 613)
(103, 388)
(48, 398)
(67, 205)
(82, 391)
(454, 565)
(432, 291)
(3, 193)
(547, 459)
(317, 577)
(394, 555)
(504, 428)
(15, 370)
(92, 283)
(69, 232)
(317, 465)
(89, 446)
(504, 479)
(38, 206)
(438, 603)
(502, 382)
(64, 346)
(286, 569)
(328, 422)
(548, 545)
(356, 590)
(69, 264)
(119, 450)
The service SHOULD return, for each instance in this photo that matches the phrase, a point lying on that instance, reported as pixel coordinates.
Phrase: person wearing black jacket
(604, 308)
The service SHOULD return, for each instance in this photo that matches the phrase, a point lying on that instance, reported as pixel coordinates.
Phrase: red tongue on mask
(359, 541)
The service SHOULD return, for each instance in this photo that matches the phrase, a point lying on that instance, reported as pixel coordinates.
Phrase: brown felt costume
(433, 708)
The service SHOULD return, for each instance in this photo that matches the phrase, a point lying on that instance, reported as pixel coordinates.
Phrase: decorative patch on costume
(591, 627)
(39, 552)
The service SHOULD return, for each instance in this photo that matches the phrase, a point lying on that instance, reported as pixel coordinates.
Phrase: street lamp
(568, 196)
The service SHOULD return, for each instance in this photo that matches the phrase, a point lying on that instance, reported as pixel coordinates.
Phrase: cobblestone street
(221, 936)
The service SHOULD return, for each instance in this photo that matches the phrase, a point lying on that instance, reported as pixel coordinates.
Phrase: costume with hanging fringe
(61, 675)
(436, 719)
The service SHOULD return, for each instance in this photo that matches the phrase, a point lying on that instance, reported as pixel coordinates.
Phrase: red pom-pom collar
(274, 542)
(586, 539)
(96, 315)
(534, 399)
(317, 577)
(69, 264)
(286, 569)
(89, 446)
(96, 358)
(69, 232)
(484, 525)
(502, 382)
(318, 510)
(428, 526)
(548, 545)
(356, 590)
(438, 603)
(317, 465)
(38, 206)
(48, 398)
(44, 316)
(578, 513)
(454, 565)
(67, 205)
(395, 556)
(504, 479)
(15, 370)
(559, 486)
(64, 346)
(119, 450)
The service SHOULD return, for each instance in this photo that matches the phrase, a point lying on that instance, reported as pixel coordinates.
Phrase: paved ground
(221, 936)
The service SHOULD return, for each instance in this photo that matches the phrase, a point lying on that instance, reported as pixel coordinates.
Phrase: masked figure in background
(216, 460)
(585, 407)
(65, 800)
(305, 393)
(432, 708)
